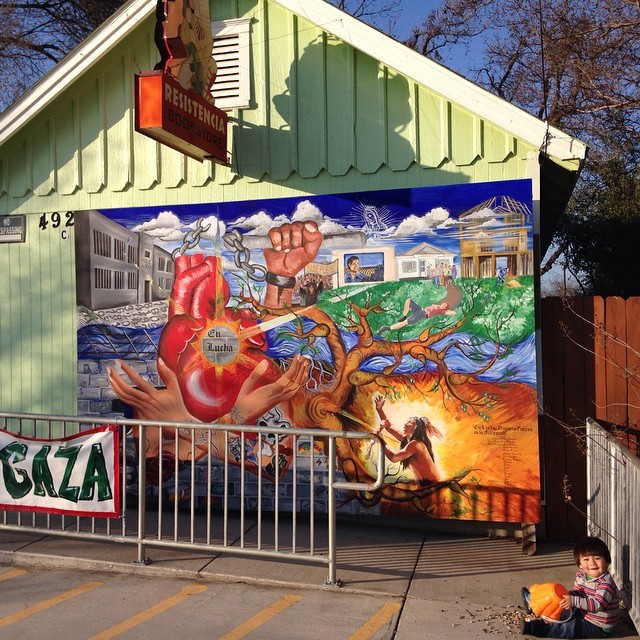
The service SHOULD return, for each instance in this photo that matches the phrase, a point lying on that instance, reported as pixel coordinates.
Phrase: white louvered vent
(232, 87)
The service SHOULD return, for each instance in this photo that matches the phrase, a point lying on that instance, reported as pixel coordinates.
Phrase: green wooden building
(318, 103)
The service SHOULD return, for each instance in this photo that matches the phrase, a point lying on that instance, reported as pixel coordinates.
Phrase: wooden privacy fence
(590, 351)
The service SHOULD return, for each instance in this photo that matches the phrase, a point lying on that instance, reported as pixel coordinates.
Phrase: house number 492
(56, 220)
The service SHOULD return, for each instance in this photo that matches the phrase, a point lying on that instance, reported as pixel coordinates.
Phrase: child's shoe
(534, 627)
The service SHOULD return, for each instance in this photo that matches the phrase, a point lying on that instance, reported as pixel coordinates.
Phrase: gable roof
(343, 26)
(72, 66)
(439, 79)
(425, 249)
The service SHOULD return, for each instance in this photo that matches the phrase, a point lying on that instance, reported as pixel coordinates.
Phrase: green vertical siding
(370, 114)
(464, 132)
(18, 163)
(40, 155)
(281, 117)
(93, 137)
(433, 142)
(66, 139)
(311, 103)
(341, 109)
(401, 121)
(37, 323)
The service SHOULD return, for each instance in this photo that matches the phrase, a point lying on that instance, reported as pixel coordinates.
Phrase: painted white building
(420, 261)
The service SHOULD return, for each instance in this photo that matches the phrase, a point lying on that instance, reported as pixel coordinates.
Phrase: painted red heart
(198, 306)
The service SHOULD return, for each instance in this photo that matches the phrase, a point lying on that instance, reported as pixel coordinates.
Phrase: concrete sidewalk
(454, 586)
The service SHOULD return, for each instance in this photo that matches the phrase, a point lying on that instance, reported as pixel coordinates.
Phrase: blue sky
(413, 13)
(408, 13)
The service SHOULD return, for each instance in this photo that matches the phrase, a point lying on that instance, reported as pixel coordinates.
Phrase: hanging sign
(180, 118)
(174, 104)
(78, 475)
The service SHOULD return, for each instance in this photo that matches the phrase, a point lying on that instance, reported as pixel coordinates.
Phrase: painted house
(422, 260)
(341, 142)
(494, 238)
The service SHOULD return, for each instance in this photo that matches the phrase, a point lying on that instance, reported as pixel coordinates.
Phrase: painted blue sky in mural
(400, 217)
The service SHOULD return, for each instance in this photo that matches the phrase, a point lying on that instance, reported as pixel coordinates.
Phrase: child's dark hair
(590, 545)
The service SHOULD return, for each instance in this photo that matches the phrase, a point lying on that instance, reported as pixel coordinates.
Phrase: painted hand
(294, 246)
(148, 402)
(256, 397)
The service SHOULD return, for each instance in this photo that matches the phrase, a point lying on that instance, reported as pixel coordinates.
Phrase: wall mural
(406, 312)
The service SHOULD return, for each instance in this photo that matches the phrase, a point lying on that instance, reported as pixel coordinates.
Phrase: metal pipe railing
(613, 511)
(200, 438)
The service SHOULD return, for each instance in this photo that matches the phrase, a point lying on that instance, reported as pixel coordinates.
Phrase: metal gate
(613, 509)
(161, 506)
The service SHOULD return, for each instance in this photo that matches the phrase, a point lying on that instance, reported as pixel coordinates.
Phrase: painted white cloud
(330, 227)
(448, 223)
(259, 224)
(413, 224)
(410, 225)
(165, 226)
(307, 211)
(167, 237)
(494, 222)
(437, 216)
(480, 215)
(167, 229)
(256, 220)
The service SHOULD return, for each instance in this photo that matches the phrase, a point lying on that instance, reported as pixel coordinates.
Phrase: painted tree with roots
(344, 378)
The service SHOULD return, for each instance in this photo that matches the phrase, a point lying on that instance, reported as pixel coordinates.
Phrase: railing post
(590, 453)
(142, 492)
(331, 508)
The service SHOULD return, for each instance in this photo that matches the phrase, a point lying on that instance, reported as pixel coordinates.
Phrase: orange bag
(545, 599)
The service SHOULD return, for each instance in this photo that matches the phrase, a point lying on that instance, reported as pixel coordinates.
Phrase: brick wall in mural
(409, 313)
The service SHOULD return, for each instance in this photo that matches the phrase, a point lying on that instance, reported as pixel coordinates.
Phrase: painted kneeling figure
(416, 450)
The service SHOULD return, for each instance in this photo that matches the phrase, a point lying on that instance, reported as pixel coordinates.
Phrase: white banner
(77, 475)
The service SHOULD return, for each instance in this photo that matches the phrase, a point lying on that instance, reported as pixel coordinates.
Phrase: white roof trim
(437, 78)
(73, 65)
(343, 26)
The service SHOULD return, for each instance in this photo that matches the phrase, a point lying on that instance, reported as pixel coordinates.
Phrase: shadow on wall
(337, 112)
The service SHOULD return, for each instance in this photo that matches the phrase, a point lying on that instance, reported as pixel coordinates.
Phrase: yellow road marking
(157, 609)
(14, 573)
(375, 622)
(260, 618)
(45, 604)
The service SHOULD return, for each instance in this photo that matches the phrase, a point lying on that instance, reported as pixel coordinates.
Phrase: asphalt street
(398, 584)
